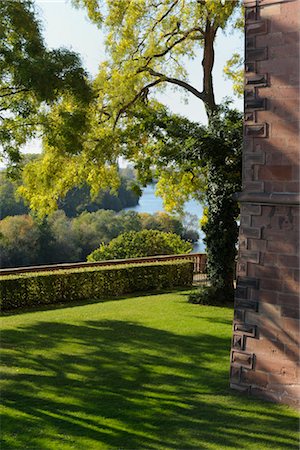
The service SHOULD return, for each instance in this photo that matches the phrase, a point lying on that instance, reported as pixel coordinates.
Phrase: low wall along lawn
(34, 289)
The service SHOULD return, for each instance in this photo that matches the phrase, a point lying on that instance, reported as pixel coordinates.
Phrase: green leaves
(70, 286)
(143, 243)
(224, 160)
(33, 78)
(234, 70)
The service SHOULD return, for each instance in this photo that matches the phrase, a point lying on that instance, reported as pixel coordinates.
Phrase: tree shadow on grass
(114, 384)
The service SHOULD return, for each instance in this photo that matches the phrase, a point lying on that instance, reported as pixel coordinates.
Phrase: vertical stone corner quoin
(265, 335)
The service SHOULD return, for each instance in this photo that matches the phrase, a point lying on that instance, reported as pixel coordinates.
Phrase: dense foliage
(26, 241)
(146, 48)
(76, 201)
(32, 79)
(10, 204)
(202, 162)
(224, 168)
(91, 283)
(135, 244)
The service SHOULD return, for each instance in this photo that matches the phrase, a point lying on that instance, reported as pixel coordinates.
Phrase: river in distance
(150, 203)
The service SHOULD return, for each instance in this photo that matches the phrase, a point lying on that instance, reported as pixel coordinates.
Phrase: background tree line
(77, 199)
(25, 240)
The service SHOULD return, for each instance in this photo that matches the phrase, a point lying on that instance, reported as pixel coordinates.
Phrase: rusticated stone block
(258, 131)
(281, 173)
(250, 256)
(258, 54)
(251, 232)
(274, 367)
(242, 359)
(238, 342)
(253, 186)
(268, 297)
(254, 210)
(250, 42)
(251, 13)
(241, 292)
(248, 282)
(255, 28)
(246, 304)
(293, 327)
(256, 378)
(255, 158)
(242, 268)
(288, 300)
(239, 315)
(265, 347)
(288, 261)
(258, 244)
(245, 328)
(235, 374)
(252, 102)
(250, 116)
(256, 80)
(288, 311)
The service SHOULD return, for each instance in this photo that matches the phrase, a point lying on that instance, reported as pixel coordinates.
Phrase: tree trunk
(208, 63)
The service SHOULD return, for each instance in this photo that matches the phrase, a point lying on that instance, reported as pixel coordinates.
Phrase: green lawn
(148, 372)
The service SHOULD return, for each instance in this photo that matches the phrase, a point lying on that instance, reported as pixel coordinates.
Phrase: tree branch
(142, 93)
(183, 38)
(164, 15)
(156, 23)
(15, 92)
(184, 84)
(185, 35)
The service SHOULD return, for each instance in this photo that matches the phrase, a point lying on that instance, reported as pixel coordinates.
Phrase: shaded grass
(146, 372)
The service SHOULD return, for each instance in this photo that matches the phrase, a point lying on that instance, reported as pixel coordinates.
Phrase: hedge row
(91, 283)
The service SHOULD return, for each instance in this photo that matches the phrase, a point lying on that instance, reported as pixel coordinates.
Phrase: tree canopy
(32, 78)
(148, 42)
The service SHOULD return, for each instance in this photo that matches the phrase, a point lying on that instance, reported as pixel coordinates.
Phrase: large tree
(147, 45)
(148, 42)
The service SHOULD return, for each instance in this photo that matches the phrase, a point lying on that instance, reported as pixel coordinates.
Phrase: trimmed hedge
(34, 289)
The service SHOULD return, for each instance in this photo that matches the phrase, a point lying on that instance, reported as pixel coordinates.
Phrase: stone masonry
(265, 342)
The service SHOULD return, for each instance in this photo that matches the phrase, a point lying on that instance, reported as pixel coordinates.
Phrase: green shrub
(135, 244)
(210, 295)
(91, 283)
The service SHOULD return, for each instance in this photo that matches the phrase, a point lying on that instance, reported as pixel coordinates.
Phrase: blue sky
(65, 26)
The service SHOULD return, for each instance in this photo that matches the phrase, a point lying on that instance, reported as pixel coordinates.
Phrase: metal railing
(199, 260)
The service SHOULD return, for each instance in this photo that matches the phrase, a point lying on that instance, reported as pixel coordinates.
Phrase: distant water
(150, 203)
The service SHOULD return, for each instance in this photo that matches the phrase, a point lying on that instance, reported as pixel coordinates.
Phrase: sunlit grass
(145, 372)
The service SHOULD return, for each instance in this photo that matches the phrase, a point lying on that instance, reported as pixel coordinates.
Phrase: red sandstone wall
(265, 344)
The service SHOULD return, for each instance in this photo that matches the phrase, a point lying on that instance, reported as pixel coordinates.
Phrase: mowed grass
(148, 372)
